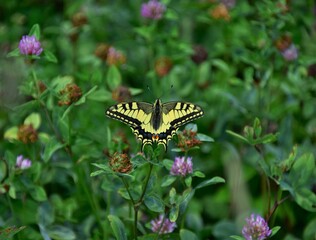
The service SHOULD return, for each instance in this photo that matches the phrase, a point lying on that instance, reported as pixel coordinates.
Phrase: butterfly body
(154, 123)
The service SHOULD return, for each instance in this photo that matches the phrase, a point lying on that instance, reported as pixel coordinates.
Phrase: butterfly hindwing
(155, 122)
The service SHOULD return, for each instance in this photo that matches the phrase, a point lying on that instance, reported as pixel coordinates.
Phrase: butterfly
(155, 123)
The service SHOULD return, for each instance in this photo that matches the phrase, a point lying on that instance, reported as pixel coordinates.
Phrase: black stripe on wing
(112, 112)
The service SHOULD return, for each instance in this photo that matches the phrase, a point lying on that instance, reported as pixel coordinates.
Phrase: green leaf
(174, 213)
(100, 95)
(104, 167)
(187, 235)
(154, 203)
(274, 230)
(49, 56)
(38, 193)
(34, 119)
(266, 139)
(209, 182)
(167, 163)
(14, 53)
(168, 180)
(11, 133)
(204, 138)
(310, 229)
(117, 227)
(84, 96)
(58, 232)
(113, 77)
(237, 237)
(257, 127)
(188, 181)
(35, 31)
(172, 196)
(185, 199)
(96, 173)
(51, 147)
(306, 199)
(237, 136)
(198, 174)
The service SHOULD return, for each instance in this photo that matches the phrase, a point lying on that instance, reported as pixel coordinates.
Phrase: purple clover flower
(162, 225)
(30, 46)
(153, 9)
(291, 53)
(23, 163)
(256, 228)
(182, 166)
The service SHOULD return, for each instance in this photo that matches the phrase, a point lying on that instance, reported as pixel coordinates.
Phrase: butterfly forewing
(155, 122)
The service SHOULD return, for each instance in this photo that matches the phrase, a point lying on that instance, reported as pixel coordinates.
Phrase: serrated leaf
(209, 182)
(34, 119)
(117, 227)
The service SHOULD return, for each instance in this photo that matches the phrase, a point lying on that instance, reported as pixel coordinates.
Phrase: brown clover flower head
(199, 55)
(220, 12)
(120, 162)
(121, 94)
(163, 66)
(70, 94)
(283, 43)
(27, 133)
(187, 139)
(79, 19)
(102, 51)
(115, 57)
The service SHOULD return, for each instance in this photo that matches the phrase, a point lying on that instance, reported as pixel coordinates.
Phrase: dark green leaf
(117, 227)
(187, 235)
(168, 180)
(59, 232)
(51, 147)
(154, 203)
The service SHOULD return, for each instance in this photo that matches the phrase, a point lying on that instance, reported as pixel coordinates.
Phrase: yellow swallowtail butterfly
(156, 122)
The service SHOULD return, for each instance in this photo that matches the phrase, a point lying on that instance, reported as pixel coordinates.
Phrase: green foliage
(249, 65)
